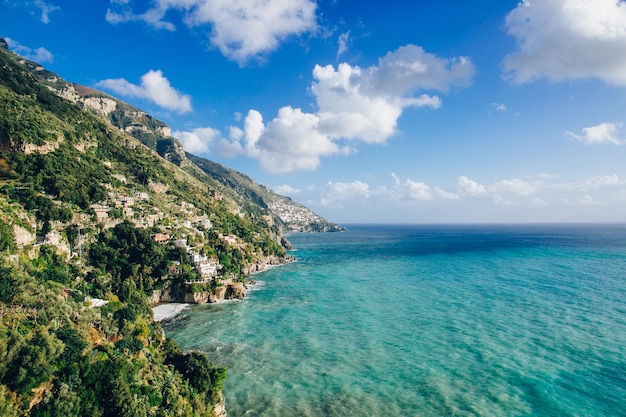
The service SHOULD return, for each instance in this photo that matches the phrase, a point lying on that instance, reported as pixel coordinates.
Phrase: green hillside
(156, 136)
(101, 215)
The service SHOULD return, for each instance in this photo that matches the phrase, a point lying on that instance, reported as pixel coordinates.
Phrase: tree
(35, 362)
(7, 239)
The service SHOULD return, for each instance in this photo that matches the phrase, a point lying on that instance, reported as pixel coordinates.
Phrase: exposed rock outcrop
(236, 290)
(23, 236)
(220, 408)
(230, 291)
(261, 265)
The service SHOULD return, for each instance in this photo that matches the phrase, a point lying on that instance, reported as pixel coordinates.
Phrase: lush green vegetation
(60, 357)
(73, 173)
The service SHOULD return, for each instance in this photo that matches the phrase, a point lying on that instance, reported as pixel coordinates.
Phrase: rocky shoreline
(169, 302)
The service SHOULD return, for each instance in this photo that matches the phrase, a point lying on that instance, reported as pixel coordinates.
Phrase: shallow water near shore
(427, 321)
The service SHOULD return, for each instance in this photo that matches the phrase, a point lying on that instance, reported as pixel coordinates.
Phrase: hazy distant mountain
(295, 216)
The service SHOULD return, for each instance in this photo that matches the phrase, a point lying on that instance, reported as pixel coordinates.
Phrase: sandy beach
(168, 310)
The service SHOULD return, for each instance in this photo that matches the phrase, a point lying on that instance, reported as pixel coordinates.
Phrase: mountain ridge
(156, 135)
(101, 218)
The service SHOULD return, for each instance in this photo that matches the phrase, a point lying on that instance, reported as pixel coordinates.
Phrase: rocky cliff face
(220, 409)
(229, 291)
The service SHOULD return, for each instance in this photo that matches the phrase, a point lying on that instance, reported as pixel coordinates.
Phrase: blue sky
(398, 111)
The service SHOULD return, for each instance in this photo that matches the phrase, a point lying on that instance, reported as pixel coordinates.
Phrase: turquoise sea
(428, 321)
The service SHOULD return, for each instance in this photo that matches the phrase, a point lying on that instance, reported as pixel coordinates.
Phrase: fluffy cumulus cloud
(40, 55)
(469, 187)
(410, 189)
(365, 103)
(199, 140)
(206, 140)
(292, 142)
(354, 105)
(602, 133)
(567, 39)
(240, 29)
(154, 87)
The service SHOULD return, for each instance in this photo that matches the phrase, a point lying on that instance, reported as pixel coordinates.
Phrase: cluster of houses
(206, 267)
(298, 218)
(145, 215)
(126, 203)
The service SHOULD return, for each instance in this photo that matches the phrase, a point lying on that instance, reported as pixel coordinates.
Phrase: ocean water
(428, 321)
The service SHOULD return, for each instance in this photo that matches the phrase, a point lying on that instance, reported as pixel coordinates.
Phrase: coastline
(168, 311)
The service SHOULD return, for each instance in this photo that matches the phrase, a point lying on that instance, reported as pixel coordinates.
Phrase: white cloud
(514, 186)
(470, 187)
(365, 103)
(292, 142)
(417, 190)
(38, 8)
(583, 200)
(240, 29)
(602, 133)
(286, 190)
(343, 41)
(594, 183)
(154, 87)
(236, 134)
(231, 147)
(603, 181)
(512, 200)
(336, 194)
(409, 68)
(205, 140)
(498, 107)
(40, 55)
(198, 141)
(409, 189)
(354, 188)
(45, 9)
(253, 129)
(354, 104)
(152, 17)
(567, 39)
(516, 192)
(445, 195)
(227, 148)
